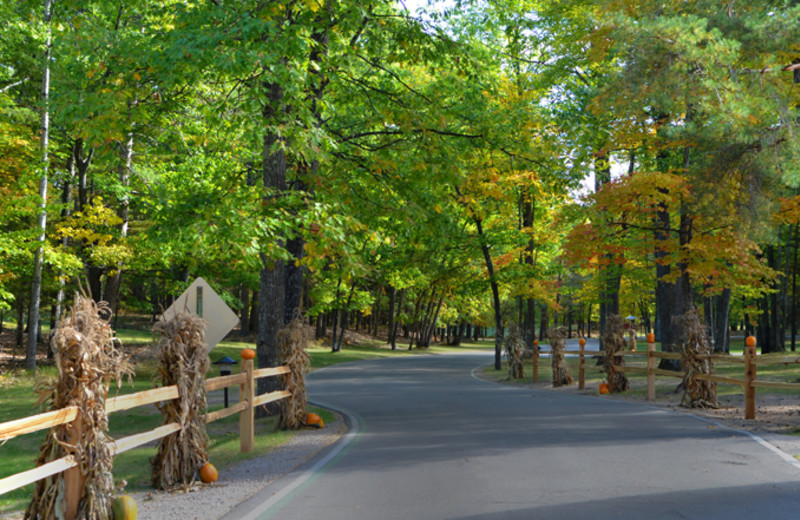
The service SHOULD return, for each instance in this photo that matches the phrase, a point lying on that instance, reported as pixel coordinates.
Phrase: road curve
(430, 441)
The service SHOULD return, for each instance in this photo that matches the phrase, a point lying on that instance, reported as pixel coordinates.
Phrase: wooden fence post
(651, 368)
(749, 377)
(247, 416)
(536, 361)
(581, 365)
(74, 479)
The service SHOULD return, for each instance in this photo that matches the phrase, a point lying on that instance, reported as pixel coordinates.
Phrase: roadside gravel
(240, 481)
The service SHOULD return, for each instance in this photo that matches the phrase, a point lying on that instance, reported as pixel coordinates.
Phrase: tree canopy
(462, 162)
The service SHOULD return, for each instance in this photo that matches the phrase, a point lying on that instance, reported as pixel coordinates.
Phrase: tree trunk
(66, 199)
(544, 319)
(20, 331)
(390, 331)
(244, 297)
(273, 273)
(123, 212)
(722, 335)
(335, 316)
(36, 284)
(794, 286)
(498, 313)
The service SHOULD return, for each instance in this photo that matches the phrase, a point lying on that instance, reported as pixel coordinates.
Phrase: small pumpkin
(603, 388)
(582, 342)
(651, 338)
(315, 420)
(208, 473)
(248, 353)
(124, 508)
(750, 341)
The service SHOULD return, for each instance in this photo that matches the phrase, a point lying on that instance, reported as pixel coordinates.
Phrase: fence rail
(248, 401)
(749, 383)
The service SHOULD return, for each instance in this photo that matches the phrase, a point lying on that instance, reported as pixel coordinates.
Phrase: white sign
(200, 299)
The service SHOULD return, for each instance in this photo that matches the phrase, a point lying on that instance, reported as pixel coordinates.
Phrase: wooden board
(226, 412)
(791, 360)
(720, 379)
(216, 383)
(667, 373)
(666, 355)
(134, 441)
(776, 384)
(125, 402)
(625, 368)
(267, 372)
(271, 397)
(42, 421)
(32, 475)
(726, 358)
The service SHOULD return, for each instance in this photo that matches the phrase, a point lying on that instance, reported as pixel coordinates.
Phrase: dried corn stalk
(561, 375)
(614, 343)
(292, 343)
(183, 361)
(87, 361)
(515, 351)
(694, 349)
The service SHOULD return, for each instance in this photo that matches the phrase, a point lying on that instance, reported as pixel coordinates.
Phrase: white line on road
(350, 436)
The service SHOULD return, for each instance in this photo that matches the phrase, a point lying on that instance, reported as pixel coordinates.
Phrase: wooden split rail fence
(749, 361)
(246, 406)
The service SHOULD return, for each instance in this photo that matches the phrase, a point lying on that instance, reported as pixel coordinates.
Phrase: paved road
(433, 442)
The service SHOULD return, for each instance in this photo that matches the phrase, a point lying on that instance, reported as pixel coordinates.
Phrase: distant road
(433, 442)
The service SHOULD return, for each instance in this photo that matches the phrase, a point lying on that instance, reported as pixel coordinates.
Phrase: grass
(18, 399)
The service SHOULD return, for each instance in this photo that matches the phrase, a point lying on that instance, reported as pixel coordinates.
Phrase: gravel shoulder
(240, 481)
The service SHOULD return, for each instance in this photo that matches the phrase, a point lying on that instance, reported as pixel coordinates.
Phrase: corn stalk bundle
(183, 361)
(515, 351)
(292, 343)
(87, 360)
(614, 343)
(561, 375)
(695, 348)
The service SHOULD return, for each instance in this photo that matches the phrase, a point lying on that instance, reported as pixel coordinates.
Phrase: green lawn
(18, 399)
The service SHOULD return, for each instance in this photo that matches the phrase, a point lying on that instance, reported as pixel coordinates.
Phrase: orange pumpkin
(603, 388)
(208, 473)
(315, 420)
(536, 342)
(651, 338)
(750, 341)
(248, 353)
(582, 342)
(124, 508)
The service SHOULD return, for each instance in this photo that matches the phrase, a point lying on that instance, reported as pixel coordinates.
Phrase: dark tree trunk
(392, 339)
(458, 334)
(345, 322)
(272, 288)
(320, 329)
(722, 335)
(254, 299)
(544, 321)
(123, 212)
(795, 243)
(393, 318)
(498, 313)
(20, 332)
(244, 297)
(776, 332)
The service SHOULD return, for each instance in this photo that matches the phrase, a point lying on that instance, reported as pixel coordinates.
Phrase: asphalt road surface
(430, 441)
